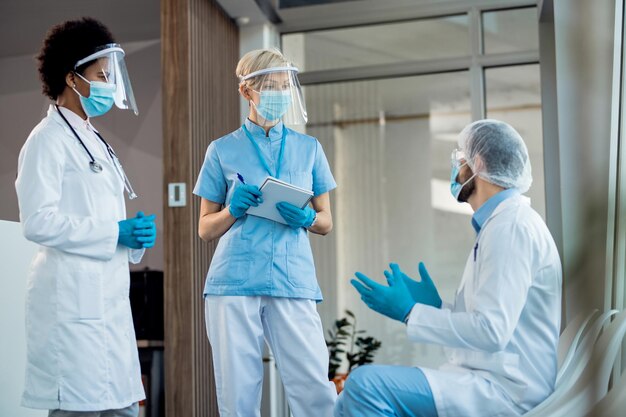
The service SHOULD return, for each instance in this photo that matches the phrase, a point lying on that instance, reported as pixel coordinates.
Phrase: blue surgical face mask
(273, 104)
(101, 97)
(455, 186)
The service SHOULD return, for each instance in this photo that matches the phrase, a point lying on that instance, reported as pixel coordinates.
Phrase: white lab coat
(81, 348)
(502, 331)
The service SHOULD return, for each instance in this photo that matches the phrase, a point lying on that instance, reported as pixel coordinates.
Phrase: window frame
(476, 62)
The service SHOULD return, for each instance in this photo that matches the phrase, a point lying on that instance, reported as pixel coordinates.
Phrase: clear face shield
(457, 158)
(457, 161)
(110, 59)
(276, 95)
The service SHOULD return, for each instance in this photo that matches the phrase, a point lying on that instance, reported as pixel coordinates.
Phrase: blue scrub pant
(378, 390)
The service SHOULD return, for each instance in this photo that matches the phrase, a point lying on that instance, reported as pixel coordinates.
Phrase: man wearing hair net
(501, 331)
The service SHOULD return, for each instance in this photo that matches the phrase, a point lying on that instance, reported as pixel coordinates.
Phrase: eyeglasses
(457, 155)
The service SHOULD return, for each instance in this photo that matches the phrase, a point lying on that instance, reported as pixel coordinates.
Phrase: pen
(475, 250)
(240, 178)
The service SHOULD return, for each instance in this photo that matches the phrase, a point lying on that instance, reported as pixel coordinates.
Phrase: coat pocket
(300, 266)
(301, 179)
(230, 264)
(90, 296)
(80, 292)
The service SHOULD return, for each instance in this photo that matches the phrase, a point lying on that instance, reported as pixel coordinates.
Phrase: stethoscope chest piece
(95, 167)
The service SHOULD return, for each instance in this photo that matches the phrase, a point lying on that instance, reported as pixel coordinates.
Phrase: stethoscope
(95, 166)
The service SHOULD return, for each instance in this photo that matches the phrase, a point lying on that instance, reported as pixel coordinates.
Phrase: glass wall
(388, 138)
(510, 30)
(390, 142)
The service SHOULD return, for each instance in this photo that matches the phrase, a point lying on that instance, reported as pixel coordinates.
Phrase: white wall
(15, 256)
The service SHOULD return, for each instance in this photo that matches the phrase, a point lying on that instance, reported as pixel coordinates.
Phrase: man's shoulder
(519, 225)
(518, 211)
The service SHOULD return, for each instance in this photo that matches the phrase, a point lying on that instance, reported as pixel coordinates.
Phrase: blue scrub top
(257, 256)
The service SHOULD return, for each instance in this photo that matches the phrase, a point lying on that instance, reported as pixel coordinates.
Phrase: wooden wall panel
(200, 104)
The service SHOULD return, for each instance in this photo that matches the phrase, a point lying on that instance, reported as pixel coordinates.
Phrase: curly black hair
(65, 44)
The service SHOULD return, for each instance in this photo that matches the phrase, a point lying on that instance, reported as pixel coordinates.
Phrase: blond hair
(257, 60)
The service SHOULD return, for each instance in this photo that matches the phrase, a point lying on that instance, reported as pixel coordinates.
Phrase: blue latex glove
(128, 227)
(244, 197)
(424, 291)
(146, 232)
(394, 301)
(296, 217)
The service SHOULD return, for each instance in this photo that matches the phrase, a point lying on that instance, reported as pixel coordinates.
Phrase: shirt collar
(486, 210)
(257, 132)
(74, 120)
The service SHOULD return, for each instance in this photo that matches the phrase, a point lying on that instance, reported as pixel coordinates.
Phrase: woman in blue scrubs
(261, 283)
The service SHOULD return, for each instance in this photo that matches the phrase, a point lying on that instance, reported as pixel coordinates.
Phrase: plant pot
(339, 380)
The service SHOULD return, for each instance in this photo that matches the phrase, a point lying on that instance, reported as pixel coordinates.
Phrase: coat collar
(258, 133)
(74, 120)
(484, 212)
(515, 200)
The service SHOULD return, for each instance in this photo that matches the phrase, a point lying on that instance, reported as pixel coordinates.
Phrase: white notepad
(274, 191)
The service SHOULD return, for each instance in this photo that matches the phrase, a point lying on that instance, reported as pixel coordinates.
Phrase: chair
(586, 382)
(574, 362)
(569, 339)
(579, 355)
(614, 403)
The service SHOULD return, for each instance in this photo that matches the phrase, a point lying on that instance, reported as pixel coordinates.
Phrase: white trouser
(236, 326)
(130, 411)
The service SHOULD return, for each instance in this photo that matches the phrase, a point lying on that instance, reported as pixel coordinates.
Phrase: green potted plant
(346, 341)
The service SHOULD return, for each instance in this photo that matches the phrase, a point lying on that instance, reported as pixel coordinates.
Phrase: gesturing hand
(424, 291)
(394, 301)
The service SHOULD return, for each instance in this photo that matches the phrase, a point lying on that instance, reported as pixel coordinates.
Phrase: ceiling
(24, 23)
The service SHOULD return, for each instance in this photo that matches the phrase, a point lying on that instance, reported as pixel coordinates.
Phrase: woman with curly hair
(82, 356)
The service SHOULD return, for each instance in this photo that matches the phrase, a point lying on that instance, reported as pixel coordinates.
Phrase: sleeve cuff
(418, 309)
(109, 240)
(324, 189)
(406, 318)
(215, 197)
(412, 314)
(135, 255)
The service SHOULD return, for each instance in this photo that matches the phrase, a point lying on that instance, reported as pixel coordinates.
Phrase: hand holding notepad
(295, 216)
(276, 191)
